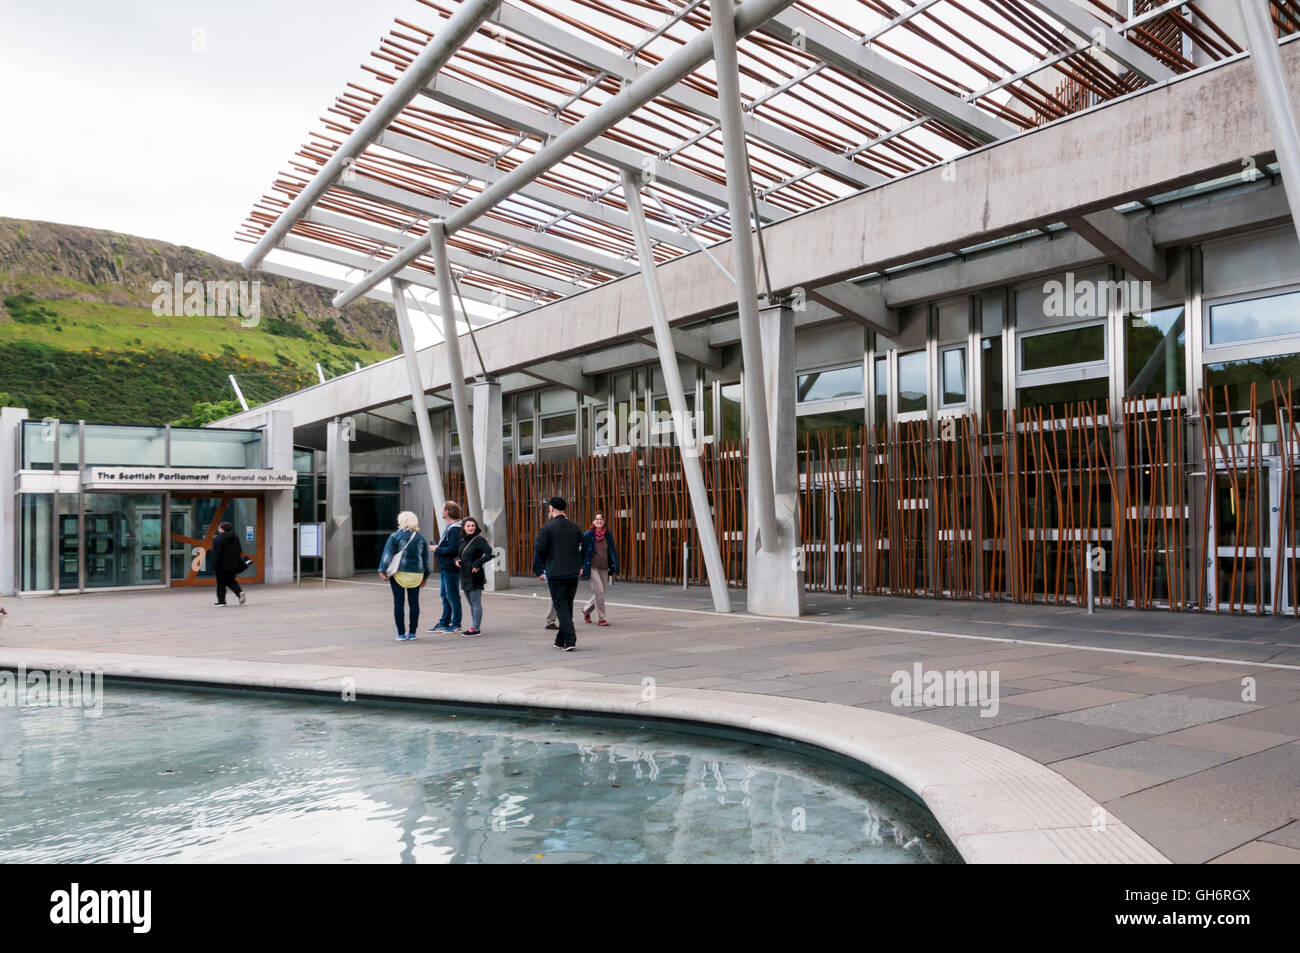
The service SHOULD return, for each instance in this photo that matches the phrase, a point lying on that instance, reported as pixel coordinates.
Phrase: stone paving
(1146, 712)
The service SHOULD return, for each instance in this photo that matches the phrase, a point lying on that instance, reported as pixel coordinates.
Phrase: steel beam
(455, 368)
(427, 448)
(687, 58)
(1279, 111)
(1102, 37)
(412, 276)
(839, 51)
(689, 442)
(486, 266)
(736, 157)
(459, 27)
(509, 112)
(569, 44)
(538, 192)
(417, 204)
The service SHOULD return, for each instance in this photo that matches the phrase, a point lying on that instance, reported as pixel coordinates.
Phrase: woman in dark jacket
(475, 553)
(599, 562)
(411, 572)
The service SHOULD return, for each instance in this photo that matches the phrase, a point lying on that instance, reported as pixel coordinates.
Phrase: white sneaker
(243, 597)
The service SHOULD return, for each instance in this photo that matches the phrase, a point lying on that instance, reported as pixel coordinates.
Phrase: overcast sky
(168, 119)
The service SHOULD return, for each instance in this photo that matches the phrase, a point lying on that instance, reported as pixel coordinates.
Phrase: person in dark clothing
(227, 561)
(404, 565)
(475, 553)
(447, 551)
(599, 562)
(557, 558)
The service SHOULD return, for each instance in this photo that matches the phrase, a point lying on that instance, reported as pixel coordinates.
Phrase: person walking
(227, 560)
(475, 553)
(557, 558)
(405, 566)
(599, 562)
(446, 552)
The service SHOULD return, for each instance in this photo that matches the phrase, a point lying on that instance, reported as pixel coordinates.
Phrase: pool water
(184, 777)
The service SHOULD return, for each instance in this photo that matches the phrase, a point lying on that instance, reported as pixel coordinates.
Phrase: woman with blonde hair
(405, 566)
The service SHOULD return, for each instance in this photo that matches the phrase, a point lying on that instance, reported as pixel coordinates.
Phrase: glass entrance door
(194, 522)
(1245, 530)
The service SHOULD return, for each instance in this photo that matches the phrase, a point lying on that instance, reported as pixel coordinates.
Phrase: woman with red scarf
(599, 562)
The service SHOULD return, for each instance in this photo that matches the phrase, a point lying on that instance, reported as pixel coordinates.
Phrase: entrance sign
(310, 540)
(311, 545)
(186, 478)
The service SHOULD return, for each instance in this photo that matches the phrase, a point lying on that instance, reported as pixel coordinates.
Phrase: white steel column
(418, 402)
(688, 441)
(455, 369)
(736, 156)
(1278, 109)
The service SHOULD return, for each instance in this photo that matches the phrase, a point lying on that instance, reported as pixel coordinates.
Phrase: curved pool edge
(995, 805)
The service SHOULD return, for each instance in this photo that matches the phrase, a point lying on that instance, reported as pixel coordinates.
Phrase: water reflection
(180, 777)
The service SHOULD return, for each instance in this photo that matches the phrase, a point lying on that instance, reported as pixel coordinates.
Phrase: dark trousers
(226, 580)
(562, 593)
(450, 591)
(412, 598)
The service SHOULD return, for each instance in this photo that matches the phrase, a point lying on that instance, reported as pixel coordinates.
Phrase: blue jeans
(450, 590)
(401, 599)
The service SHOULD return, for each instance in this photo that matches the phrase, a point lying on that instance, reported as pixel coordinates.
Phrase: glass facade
(124, 539)
(103, 540)
(1271, 316)
(911, 382)
(1155, 345)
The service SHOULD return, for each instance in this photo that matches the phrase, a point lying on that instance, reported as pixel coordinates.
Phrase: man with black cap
(557, 558)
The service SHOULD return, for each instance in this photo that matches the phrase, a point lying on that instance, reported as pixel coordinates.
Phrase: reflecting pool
(184, 777)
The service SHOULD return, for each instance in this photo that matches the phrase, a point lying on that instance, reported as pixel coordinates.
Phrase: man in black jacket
(227, 560)
(557, 558)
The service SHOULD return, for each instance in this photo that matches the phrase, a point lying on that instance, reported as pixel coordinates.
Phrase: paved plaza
(1152, 714)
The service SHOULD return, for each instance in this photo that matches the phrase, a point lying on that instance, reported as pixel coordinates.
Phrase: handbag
(395, 564)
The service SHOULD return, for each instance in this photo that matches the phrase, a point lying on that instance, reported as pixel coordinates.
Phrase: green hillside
(79, 338)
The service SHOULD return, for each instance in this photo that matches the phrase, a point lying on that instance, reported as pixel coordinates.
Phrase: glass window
(525, 403)
(911, 382)
(39, 441)
(35, 560)
(991, 378)
(882, 390)
(1238, 376)
(836, 420)
(112, 445)
(1155, 345)
(1056, 396)
(67, 541)
(1084, 345)
(559, 426)
(123, 539)
(304, 461)
(827, 385)
(210, 447)
(954, 375)
(526, 437)
(1257, 318)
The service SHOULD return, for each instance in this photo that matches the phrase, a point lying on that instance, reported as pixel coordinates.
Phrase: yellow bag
(408, 580)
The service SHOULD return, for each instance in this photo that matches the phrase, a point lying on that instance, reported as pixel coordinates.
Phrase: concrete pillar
(489, 454)
(775, 583)
(339, 562)
(279, 542)
(11, 424)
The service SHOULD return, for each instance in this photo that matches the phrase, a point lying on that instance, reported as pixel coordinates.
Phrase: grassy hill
(79, 339)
